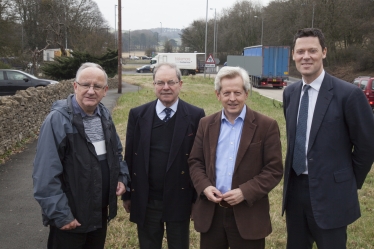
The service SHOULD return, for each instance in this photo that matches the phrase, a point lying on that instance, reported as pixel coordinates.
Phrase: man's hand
(71, 225)
(127, 205)
(120, 189)
(213, 194)
(233, 197)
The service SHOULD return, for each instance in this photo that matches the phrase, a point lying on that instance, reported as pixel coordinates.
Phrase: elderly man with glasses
(78, 168)
(159, 139)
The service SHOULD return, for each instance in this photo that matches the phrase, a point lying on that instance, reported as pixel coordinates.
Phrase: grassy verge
(200, 92)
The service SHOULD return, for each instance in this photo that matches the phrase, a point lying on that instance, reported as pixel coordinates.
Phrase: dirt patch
(344, 72)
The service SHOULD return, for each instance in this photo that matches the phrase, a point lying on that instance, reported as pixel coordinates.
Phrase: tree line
(347, 24)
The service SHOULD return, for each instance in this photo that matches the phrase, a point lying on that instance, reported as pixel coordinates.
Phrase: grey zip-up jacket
(67, 173)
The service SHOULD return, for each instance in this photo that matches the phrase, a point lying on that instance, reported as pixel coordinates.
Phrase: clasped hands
(232, 197)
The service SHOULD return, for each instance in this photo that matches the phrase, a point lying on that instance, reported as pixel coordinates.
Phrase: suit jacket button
(134, 174)
(182, 172)
(133, 190)
(182, 188)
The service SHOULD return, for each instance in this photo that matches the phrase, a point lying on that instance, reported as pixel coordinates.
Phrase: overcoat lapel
(145, 129)
(323, 101)
(248, 131)
(182, 122)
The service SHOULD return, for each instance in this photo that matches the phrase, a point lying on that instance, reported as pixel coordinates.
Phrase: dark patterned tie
(168, 112)
(299, 153)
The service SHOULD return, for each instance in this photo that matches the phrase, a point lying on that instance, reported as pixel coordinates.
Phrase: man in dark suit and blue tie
(330, 149)
(159, 138)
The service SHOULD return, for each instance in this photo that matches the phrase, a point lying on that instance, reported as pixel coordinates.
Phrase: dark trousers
(302, 229)
(151, 234)
(224, 233)
(63, 239)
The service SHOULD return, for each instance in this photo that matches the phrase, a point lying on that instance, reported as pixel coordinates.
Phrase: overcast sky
(146, 14)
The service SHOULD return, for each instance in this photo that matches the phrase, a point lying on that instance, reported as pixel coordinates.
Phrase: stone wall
(22, 114)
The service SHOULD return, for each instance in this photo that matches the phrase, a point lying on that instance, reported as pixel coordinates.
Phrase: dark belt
(224, 204)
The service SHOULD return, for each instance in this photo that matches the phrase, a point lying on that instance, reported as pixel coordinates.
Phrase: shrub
(63, 68)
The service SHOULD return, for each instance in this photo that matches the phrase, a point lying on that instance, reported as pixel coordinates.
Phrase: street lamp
(314, 4)
(262, 28)
(129, 43)
(214, 34)
(206, 32)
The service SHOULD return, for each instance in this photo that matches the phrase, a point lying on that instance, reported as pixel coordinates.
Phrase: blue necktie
(299, 153)
(168, 112)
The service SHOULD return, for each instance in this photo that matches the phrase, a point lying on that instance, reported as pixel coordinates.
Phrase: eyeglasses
(161, 83)
(87, 86)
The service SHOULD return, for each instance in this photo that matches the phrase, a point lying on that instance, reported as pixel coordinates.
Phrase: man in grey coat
(78, 168)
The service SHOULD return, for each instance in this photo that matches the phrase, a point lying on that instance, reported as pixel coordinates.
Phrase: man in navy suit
(330, 149)
(159, 138)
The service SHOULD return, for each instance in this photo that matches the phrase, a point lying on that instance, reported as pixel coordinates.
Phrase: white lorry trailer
(188, 63)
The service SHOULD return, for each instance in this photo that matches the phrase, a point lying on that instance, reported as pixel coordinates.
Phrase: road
(271, 93)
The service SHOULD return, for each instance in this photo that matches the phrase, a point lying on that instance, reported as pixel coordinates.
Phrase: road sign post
(210, 63)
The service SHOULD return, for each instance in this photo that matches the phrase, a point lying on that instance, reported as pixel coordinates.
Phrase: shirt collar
(160, 107)
(241, 115)
(77, 109)
(316, 84)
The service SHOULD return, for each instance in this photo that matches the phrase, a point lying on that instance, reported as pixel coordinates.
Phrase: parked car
(13, 80)
(144, 57)
(367, 86)
(144, 69)
(134, 57)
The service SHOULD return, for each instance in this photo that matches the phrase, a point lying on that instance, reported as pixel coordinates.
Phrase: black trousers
(302, 229)
(223, 233)
(151, 234)
(63, 239)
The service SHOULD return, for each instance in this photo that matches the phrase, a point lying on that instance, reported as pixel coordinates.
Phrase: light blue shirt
(160, 109)
(227, 149)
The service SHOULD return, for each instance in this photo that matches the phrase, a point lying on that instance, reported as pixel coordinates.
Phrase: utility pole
(119, 48)
(115, 25)
(206, 34)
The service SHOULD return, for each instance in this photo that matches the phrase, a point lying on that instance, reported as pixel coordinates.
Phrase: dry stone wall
(22, 114)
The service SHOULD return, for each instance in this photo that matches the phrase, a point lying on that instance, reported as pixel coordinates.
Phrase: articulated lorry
(188, 63)
(267, 66)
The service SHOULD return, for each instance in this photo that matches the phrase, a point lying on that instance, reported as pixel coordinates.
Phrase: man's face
(88, 99)
(232, 96)
(308, 56)
(166, 93)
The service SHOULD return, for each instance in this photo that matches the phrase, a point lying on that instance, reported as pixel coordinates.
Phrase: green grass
(199, 91)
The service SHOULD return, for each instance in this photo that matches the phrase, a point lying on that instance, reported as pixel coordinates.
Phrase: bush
(4, 65)
(64, 68)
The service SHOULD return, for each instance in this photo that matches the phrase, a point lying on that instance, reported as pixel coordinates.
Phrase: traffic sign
(210, 60)
(210, 65)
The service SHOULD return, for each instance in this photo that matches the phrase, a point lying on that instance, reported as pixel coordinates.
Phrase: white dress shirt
(160, 109)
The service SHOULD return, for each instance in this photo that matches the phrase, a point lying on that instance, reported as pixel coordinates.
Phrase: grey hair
(231, 72)
(91, 64)
(171, 65)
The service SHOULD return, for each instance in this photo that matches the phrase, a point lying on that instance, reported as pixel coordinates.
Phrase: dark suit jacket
(258, 169)
(178, 190)
(340, 150)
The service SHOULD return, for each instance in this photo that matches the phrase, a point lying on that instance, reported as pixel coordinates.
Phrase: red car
(367, 86)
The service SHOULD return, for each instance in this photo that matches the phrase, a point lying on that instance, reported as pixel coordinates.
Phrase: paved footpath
(20, 216)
